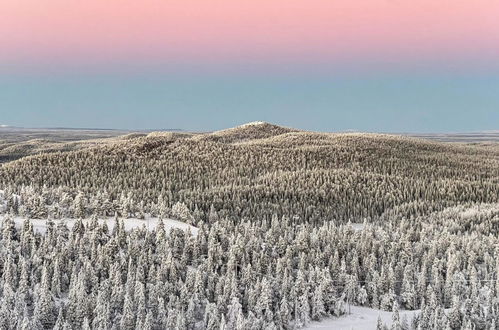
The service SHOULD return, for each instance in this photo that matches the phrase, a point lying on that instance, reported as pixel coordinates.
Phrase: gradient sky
(372, 65)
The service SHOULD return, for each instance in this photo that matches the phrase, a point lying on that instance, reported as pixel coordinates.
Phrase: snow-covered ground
(361, 318)
(150, 223)
(357, 226)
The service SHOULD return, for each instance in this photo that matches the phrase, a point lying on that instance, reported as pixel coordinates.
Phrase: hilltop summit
(249, 131)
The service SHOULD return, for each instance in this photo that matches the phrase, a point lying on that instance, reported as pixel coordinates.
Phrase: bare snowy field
(150, 223)
(361, 318)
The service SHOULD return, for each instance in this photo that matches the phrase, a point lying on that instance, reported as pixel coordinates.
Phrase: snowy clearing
(39, 225)
(361, 318)
(357, 226)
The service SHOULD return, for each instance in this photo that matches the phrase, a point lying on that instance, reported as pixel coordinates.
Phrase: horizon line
(131, 130)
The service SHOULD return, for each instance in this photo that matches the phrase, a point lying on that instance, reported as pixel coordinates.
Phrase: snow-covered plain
(360, 318)
(40, 225)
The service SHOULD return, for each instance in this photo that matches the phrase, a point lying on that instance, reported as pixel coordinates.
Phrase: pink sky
(205, 31)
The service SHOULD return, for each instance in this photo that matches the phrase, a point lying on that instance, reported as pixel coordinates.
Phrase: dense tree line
(276, 274)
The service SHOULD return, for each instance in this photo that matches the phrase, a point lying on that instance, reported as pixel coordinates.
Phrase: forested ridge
(315, 176)
(275, 246)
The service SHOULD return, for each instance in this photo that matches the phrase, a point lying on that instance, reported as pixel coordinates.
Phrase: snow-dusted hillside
(294, 226)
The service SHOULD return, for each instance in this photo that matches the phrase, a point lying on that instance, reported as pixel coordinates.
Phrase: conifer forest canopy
(253, 227)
